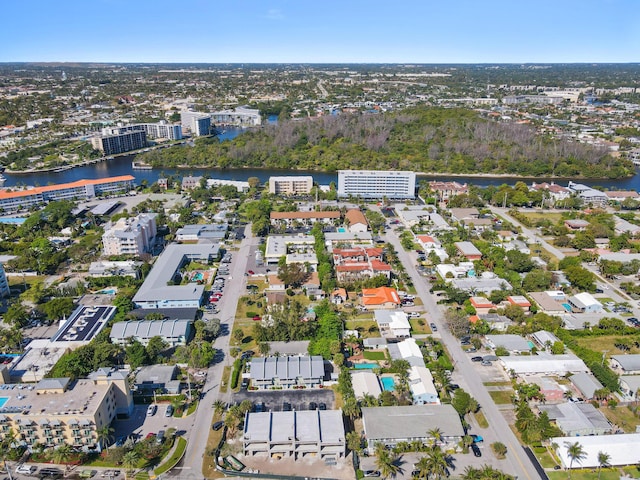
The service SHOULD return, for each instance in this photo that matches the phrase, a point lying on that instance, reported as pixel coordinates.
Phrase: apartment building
(130, 236)
(58, 411)
(115, 143)
(240, 116)
(376, 184)
(290, 185)
(11, 202)
(197, 123)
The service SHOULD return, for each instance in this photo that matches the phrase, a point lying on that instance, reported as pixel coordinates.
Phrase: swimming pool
(342, 230)
(108, 291)
(198, 276)
(366, 366)
(567, 307)
(3, 400)
(388, 384)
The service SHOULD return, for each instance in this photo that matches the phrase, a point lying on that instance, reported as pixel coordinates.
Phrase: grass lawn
(481, 419)
(497, 384)
(174, 458)
(501, 397)
(374, 355)
(226, 373)
(208, 463)
(363, 326)
(192, 408)
(546, 460)
(585, 474)
(535, 216)
(623, 417)
(604, 342)
(633, 470)
(417, 328)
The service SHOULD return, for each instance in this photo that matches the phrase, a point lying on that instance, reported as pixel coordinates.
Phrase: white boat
(2, 180)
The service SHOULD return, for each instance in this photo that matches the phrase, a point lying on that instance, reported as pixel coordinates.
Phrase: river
(122, 166)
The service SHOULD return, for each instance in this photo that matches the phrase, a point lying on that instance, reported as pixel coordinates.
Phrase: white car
(413, 314)
(151, 410)
(26, 469)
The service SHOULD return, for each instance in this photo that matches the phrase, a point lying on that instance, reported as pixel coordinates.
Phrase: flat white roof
(622, 449)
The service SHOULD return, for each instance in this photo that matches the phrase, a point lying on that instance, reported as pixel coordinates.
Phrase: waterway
(122, 166)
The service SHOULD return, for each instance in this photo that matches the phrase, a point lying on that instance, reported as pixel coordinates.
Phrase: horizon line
(103, 62)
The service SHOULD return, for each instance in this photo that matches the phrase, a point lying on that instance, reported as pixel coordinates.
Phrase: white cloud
(275, 14)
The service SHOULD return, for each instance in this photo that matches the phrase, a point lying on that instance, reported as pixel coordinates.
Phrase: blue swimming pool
(388, 384)
(108, 291)
(342, 230)
(366, 366)
(3, 400)
(567, 307)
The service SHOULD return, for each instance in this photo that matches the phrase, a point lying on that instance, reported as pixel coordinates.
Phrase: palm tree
(386, 463)
(576, 453)
(422, 466)
(351, 408)
(603, 461)
(438, 461)
(62, 454)
(435, 435)
(105, 434)
(130, 460)
(219, 406)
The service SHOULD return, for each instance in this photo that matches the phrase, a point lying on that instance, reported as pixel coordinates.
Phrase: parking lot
(299, 399)
(140, 425)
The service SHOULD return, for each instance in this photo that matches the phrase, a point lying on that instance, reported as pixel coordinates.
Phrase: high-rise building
(241, 116)
(114, 142)
(291, 185)
(197, 123)
(377, 184)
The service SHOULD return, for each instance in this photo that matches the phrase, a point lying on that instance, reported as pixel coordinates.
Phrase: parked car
(433, 326)
(286, 407)
(486, 363)
(313, 405)
(218, 425)
(151, 410)
(371, 473)
(322, 406)
(477, 438)
(476, 359)
(476, 450)
(26, 469)
(169, 411)
(251, 272)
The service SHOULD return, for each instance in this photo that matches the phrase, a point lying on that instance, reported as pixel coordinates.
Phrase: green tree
(293, 274)
(354, 441)
(500, 449)
(105, 435)
(62, 454)
(386, 462)
(57, 308)
(238, 335)
(130, 460)
(463, 402)
(604, 460)
(155, 347)
(16, 315)
(136, 354)
(576, 453)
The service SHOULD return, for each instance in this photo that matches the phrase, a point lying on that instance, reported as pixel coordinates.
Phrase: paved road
(202, 420)
(516, 463)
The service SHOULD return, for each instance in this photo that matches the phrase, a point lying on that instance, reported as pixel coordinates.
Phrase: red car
(251, 272)
(257, 318)
(150, 435)
(214, 299)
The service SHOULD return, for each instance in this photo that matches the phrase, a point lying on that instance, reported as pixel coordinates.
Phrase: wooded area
(420, 139)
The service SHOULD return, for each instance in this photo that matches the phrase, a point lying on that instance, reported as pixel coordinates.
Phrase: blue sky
(323, 31)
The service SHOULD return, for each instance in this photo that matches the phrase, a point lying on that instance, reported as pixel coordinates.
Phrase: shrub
(500, 449)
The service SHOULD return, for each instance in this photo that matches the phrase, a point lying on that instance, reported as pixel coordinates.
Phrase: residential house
(576, 224)
(393, 324)
(512, 343)
(548, 304)
(356, 221)
(381, 297)
(468, 250)
(365, 383)
(422, 388)
(586, 385)
(584, 303)
(157, 378)
(577, 419)
(630, 386)
(519, 301)
(626, 364)
(287, 219)
(482, 305)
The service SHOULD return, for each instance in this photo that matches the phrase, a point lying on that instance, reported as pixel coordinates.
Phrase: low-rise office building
(213, 232)
(297, 434)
